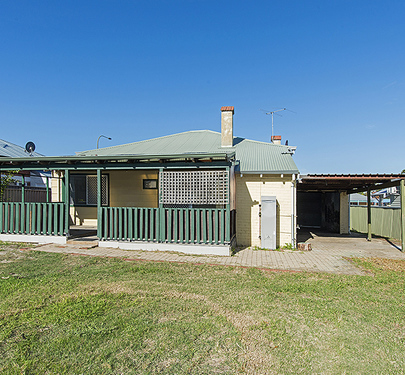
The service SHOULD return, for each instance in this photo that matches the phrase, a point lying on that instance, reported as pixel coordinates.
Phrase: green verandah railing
(175, 225)
(33, 218)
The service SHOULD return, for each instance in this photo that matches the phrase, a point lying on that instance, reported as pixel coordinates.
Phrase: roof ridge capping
(146, 140)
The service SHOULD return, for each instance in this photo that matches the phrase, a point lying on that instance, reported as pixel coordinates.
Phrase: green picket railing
(32, 218)
(175, 225)
(128, 223)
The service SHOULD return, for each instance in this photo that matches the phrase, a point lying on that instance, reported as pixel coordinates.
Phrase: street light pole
(102, 136)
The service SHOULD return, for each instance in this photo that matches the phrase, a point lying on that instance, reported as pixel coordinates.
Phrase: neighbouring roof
(356, 197)
(253, 156)
(10, 150)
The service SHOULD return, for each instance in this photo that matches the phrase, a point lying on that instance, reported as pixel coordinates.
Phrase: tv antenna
(30, 147)
(272, 118)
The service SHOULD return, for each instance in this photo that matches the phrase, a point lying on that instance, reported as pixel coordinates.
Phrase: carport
(323, 199)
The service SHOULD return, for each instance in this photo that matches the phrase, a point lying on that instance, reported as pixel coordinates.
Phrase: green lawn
(65, 314)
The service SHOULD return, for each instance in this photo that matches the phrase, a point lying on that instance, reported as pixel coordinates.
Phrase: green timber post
(402, 197)
(22, 189)
(62, 188)
(47, 189)
(369, 236)
(99, 213)
(160, 214)
(22, 210)
(66, 199)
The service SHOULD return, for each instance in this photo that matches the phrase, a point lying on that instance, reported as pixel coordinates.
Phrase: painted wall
(249, 190)
(344, 213)
(126, 189)
(83, 216)
(56, 186)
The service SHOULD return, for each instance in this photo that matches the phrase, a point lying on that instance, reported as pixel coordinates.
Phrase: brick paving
(327, 255)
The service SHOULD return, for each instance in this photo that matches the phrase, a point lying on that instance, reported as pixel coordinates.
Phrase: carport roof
(347, 182)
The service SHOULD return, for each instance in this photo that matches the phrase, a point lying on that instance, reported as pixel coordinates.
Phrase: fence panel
(32, 218)
(31, 194)
(385, 221)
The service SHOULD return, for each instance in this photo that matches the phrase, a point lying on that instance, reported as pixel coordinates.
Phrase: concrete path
(327, 255)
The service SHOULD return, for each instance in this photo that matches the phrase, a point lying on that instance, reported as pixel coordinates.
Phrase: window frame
(85, 176)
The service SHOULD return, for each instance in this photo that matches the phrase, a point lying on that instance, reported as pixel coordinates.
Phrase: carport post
(368, 214)
(402, 195)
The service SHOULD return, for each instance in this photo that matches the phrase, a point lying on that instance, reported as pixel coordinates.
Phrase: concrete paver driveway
(327, 255)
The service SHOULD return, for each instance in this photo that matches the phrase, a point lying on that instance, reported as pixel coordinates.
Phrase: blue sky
(132, 70)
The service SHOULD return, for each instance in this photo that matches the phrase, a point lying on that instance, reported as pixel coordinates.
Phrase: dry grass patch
(396, 265)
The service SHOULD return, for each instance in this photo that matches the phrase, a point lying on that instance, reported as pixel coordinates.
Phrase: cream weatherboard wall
(126, 189)
(249, 190)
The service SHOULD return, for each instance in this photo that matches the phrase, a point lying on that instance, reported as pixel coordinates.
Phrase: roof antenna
(272, 118)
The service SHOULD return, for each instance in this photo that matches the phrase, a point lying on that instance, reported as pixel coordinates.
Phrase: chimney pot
(276, 139)
(227, 126)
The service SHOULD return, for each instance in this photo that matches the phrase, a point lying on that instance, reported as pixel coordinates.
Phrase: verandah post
(22, 189)
(402, 197)
(99, 234)
(47, 189)
(22, 229)
(66, 197)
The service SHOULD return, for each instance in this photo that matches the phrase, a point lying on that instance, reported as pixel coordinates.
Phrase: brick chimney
(227, 126)
(276, 139)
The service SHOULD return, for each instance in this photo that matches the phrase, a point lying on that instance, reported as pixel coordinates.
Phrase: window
(83, 190)
(150, 184)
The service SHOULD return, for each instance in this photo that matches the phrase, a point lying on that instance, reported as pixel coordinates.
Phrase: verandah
(207, 224)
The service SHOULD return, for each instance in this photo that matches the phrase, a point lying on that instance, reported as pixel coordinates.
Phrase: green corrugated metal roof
(191, 142)
(253, 156)
(11, 150)
(262, 157)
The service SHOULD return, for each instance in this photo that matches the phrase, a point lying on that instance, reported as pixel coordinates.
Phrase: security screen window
(83, 190)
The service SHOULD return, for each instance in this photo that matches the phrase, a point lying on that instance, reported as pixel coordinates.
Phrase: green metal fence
(32, 218)
(176, 225)
(385, 221)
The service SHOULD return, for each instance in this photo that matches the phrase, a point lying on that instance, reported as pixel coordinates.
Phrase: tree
(6, 178)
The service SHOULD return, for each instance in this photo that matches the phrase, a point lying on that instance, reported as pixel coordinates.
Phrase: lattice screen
(194, 187)
(91, 190)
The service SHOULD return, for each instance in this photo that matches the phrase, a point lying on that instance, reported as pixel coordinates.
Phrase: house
(35, 181)
(388, 197)
(357, 199)
(195, 192)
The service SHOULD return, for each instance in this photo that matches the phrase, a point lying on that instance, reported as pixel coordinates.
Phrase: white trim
(223, 250)
(61, 240)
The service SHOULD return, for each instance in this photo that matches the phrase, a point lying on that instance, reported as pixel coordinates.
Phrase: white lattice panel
(194, 187)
